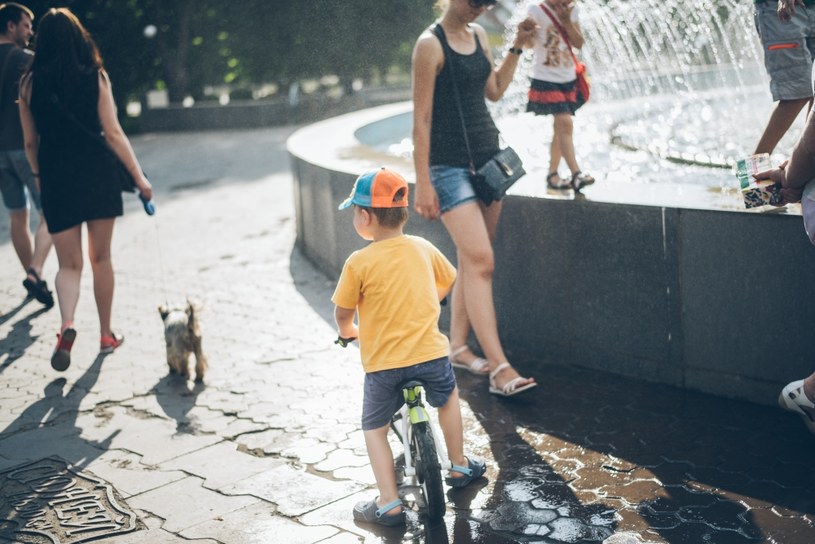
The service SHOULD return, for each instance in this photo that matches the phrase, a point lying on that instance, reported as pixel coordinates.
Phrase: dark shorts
(382, 395)
(547, 98)
(789, 48)
(17, 182)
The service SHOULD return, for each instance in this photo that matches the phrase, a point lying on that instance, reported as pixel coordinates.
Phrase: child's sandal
(559, 184)
(580, 180)
(474, 470)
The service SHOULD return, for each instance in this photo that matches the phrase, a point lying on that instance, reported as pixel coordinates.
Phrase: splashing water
(681, 80)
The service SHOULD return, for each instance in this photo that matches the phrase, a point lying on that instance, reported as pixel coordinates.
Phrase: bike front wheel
(428, 470)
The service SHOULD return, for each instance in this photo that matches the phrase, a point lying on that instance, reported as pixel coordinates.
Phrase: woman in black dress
(76, 147)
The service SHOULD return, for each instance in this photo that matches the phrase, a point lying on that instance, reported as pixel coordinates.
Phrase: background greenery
(200, 43)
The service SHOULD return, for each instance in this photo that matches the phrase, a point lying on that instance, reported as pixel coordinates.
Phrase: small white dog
(183, 337)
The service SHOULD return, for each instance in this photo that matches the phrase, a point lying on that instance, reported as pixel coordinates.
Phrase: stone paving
(269, 448)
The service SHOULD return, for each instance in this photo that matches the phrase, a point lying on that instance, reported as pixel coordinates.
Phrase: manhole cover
(45, 502)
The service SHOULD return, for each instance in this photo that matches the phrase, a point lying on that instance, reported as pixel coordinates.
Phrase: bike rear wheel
(428, 470)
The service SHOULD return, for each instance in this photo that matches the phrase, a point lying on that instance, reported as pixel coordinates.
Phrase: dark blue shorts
(383, 396)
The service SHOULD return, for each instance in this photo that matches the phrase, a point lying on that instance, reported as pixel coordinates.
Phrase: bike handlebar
(343, 342)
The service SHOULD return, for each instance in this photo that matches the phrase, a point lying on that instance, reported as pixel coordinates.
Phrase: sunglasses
(477, 4)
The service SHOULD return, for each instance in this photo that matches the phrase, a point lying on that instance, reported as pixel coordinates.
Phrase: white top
(553, 62)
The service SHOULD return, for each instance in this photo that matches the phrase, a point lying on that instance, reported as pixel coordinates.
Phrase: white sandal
(512, 387)
(479, 366)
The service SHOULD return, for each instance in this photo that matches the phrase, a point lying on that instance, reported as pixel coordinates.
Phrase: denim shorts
(382, 395)
(453, 186)
(16, 178)
(789, 48)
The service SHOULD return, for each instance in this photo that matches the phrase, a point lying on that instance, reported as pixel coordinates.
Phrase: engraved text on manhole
(45, 502)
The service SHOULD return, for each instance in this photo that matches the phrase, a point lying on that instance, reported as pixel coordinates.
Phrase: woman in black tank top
(442, 182)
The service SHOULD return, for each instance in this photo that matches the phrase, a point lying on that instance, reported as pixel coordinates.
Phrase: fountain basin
(666, 282)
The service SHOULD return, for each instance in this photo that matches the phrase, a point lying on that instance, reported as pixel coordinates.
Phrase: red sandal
(108, 344)
(61, 359)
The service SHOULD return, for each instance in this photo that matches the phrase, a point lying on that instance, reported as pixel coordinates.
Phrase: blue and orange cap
(377, 189)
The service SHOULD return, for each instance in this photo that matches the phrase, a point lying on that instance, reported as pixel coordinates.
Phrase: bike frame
(412, 412)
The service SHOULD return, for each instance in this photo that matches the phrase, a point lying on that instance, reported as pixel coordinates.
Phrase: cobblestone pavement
(270, 450)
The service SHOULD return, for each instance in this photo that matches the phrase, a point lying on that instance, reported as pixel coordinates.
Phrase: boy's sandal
(512, 387)
(108, 344)
(478, 366)
(580, 180)
(369, 512)
(557, 185)
(475, 469)
(37, 288)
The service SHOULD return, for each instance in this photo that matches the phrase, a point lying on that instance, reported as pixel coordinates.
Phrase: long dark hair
(64, 51)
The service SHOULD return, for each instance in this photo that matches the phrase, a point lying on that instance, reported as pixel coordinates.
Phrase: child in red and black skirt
(552, 91)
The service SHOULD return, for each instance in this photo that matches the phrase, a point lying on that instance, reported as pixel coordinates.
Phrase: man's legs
(20, 238)
(780, 121)
(788, 55)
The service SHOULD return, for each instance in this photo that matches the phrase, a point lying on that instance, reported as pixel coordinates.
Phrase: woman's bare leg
(68, 245)
(100, 233)
(471, 227)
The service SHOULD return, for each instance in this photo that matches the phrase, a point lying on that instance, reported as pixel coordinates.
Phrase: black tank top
(446, 134)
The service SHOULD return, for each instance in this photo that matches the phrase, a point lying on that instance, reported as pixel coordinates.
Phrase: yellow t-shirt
(394, 284)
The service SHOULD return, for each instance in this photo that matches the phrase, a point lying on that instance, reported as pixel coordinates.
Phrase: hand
(347, 334)
(527, 30)
(778, 175)
(145, 187)
(787, 7)
(563, 10)
(790, 196)
(426, 202)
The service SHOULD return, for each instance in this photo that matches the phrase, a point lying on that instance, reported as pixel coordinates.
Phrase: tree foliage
(203, 42)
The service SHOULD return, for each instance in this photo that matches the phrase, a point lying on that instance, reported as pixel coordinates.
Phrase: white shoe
(794, 399)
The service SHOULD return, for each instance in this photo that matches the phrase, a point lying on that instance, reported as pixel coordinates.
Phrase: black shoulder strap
(439, 32)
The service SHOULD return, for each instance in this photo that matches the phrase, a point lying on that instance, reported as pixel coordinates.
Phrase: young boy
(395, 284)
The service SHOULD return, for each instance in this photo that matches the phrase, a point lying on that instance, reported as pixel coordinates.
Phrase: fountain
(653, 270)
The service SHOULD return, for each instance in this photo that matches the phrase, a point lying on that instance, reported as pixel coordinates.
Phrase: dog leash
(162, 281)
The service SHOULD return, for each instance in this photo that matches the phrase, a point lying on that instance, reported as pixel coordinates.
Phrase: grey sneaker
(792, 398)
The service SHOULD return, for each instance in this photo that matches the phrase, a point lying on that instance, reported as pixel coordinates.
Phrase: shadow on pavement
(176, 398)
(19, 339)
(47, 427)
(530, 497)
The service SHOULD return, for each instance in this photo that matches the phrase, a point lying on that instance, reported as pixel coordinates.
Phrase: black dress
(78, 172)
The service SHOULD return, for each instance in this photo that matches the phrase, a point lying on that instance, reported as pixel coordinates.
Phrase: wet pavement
(269, 449)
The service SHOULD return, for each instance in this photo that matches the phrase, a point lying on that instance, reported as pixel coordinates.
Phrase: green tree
(203, 42)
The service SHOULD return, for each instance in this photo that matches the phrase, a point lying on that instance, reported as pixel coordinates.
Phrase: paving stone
(186, 503)
(220, 465)
(257, 524)
(295, 492)
(129, 476)
(155, 439)
(342, 459)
